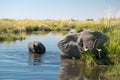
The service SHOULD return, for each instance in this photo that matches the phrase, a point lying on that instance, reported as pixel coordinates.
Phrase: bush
(35, 28)
(28, 29)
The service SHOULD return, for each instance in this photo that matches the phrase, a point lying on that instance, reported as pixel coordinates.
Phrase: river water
(17, 64)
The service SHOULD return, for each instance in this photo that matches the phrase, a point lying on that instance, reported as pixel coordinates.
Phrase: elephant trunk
(94, 50)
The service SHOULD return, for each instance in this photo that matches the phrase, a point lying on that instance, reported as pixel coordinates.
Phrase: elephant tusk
(94, 43)
(86, 49)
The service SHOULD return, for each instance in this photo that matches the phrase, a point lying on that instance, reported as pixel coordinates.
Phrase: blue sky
(59, 9)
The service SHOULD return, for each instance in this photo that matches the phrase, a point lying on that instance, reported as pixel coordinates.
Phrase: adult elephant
(72, 45)
(36, 47)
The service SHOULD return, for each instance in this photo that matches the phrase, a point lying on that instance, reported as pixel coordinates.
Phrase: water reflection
(70, 70)
(41, 33)
(62, 33)
(45, 33)
(34, 59)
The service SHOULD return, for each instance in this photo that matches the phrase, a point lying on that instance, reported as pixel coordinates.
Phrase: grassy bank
(11, 37)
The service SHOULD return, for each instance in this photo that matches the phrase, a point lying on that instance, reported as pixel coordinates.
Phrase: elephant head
(36, 47)
(87, 40)
(91, 40)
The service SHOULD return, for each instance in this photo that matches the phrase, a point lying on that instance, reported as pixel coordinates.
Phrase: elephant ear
(100, 37)
(97, 34)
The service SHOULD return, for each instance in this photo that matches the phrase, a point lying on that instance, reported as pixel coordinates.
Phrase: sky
(59, 9)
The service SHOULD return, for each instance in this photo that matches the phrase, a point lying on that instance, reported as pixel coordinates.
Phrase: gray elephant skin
(69, 47)
(36, 47)
(73, 44)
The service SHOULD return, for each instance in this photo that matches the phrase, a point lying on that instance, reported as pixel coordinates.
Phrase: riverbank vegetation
(13, 30)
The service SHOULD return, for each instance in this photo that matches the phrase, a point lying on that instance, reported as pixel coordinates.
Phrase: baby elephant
(36, 47)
